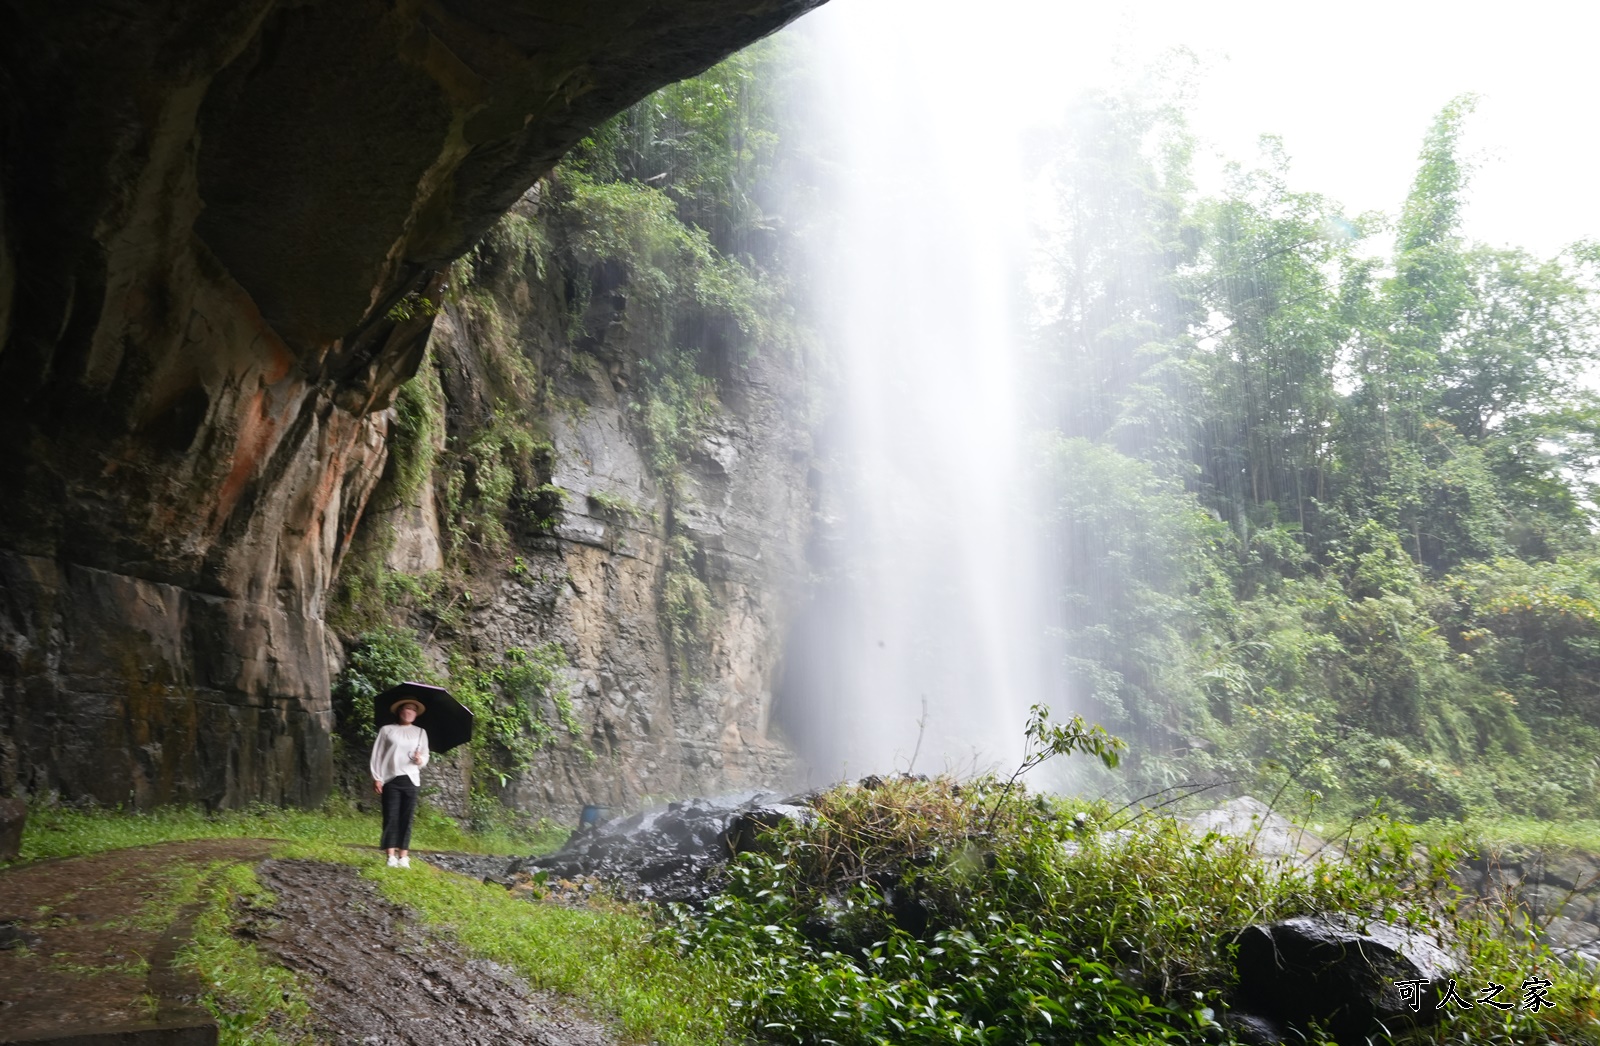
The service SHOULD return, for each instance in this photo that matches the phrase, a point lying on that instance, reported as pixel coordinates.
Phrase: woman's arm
(380, 752)
(420, 756)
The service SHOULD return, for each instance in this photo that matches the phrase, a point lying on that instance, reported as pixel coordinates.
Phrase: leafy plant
(685, 598)
(380, 659)
(508, 696)
(1046, 740)
(903, 913)
(615, 505)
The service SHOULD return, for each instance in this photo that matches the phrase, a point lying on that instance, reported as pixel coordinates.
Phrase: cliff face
(665, 698)
(553, 495)
(209, 214)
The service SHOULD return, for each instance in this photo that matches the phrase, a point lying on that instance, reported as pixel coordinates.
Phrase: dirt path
(86, 944)
(380, 977)
(87, 947)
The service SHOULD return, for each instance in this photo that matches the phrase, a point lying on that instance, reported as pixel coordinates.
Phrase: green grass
(605, 958)
(60, 832)
(1516, 831)
(255, 1001)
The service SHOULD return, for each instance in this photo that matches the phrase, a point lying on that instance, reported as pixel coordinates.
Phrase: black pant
(399, 807)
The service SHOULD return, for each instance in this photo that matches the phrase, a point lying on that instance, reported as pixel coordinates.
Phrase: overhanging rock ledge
(208, 211)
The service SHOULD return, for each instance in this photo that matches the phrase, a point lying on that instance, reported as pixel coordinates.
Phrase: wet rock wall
(208, 212)
(657, 717)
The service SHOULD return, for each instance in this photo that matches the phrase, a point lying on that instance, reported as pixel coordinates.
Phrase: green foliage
(1118, 310)
(1330, 509)
(1534, 629)
(673, 274)
(1044, 740)
(1047, 740)
(1264, 366)
(906, 913)
(508, 696)
(662, 231)
(417, 431)
(685, 598)
(517, 246)
(365, 588)
(1135, 573)
(708, 143)
(679, 407)
(413, 306)
(496, 475)
(615, 505)
(380, 659)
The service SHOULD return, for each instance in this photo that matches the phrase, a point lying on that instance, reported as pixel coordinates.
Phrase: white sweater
(391, 752)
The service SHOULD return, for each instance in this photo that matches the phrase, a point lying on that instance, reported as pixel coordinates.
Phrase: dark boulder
(1342, 975)
(745, 831)
(677, 853)
(1254, 1030)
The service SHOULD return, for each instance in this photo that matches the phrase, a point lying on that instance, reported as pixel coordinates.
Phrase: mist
(923, 646)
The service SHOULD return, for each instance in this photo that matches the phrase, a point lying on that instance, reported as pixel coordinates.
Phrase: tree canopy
(1324, 482)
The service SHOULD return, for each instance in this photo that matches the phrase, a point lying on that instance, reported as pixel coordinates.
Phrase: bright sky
(1350, 87)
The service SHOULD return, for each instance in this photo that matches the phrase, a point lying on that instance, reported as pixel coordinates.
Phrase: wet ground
(381, 977)
(87, 946)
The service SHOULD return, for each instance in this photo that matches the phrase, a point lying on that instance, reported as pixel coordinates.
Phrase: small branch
(922, 725)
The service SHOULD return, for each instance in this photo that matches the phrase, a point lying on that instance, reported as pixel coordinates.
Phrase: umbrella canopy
(447, 721)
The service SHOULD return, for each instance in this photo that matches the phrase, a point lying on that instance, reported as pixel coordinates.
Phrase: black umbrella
(447, 721)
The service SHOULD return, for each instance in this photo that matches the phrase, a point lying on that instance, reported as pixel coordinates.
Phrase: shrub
(380, 659)
(908, 913)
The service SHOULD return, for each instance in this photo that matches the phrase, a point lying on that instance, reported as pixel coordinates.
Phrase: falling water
(924, 643)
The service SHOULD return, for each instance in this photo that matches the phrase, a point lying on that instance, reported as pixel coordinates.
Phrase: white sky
(1350, 87)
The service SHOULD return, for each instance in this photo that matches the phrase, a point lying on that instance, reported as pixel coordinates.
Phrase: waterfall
(925, 639)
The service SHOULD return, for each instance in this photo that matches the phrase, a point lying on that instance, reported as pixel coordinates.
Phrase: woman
(398, 754)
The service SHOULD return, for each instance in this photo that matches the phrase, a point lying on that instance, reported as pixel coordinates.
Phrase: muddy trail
(377, 975)
(90, 947)
(88, 944)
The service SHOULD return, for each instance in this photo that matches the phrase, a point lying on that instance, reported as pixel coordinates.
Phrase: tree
(1269, 278)
(1118, 311)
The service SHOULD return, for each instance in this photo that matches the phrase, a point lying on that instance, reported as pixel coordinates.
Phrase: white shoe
(394, 862)
(405, 862)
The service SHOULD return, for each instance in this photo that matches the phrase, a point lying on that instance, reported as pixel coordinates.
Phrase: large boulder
(1345, 976)
(675, 853)
(1556, 888)
(1268, 832)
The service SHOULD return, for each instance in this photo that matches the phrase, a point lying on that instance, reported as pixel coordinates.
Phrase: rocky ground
(87, 945)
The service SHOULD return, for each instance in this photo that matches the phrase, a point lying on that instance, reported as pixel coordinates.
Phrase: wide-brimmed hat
(413, 702)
